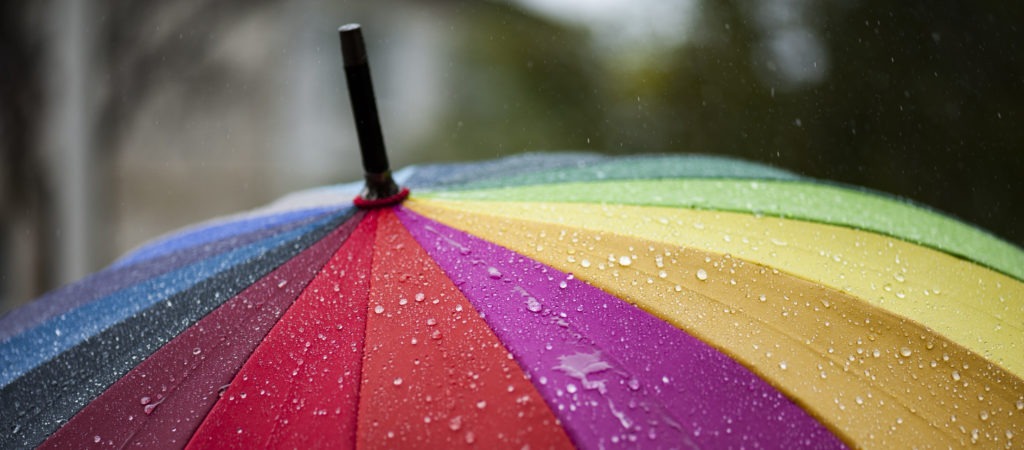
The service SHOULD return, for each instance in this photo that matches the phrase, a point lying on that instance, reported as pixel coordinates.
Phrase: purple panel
(614, 374)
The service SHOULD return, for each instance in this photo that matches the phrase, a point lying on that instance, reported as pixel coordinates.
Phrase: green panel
(790, 199)
(646, 167)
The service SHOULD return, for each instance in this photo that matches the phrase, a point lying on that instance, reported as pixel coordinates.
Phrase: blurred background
(122, 120)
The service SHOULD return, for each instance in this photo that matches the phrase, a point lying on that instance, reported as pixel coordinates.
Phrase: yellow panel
(876, 379)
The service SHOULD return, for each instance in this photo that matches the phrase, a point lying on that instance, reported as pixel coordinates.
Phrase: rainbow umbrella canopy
(537, 301)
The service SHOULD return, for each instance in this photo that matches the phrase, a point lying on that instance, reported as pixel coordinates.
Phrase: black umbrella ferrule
(380, 189)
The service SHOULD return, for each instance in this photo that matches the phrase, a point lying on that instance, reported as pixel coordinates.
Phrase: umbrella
(535, 301)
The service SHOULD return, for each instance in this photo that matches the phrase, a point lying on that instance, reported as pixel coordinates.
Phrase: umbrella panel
(223, 230)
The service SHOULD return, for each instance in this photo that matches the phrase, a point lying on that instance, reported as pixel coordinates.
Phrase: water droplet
(455, 423)
(585, 263)
(420, 297)
(398, 381)
(282, 283)
(762, 297)
(403, 301)
(702, 274)
(625, 261)
(378, 309)
(435, 335)
(481, 404)
(782, 365)
(470, 437)
(493, 272)
(533, 305)
(570, 388)
(196, 351)
(97, 439)
(906, 352)
(431, 321)
(956, 375)
(563, 285)
(146, 400)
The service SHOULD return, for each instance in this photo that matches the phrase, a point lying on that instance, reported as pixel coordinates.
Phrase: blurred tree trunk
(68, 142)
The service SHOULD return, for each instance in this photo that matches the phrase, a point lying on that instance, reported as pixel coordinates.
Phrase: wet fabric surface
(549, 301)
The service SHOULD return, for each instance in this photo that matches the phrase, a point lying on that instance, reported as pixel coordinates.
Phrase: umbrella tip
(353, 49)
(380, 189)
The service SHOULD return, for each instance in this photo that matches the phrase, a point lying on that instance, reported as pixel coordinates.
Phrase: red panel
(160, 402)
(300, 387)
(435, 376)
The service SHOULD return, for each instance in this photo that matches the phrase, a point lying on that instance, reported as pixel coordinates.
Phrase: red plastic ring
(363, 203)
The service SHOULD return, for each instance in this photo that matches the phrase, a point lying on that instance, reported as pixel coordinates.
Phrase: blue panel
(214, 232)
(38, 345)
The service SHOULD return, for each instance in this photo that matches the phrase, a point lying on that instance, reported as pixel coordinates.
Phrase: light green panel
(791, 199)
